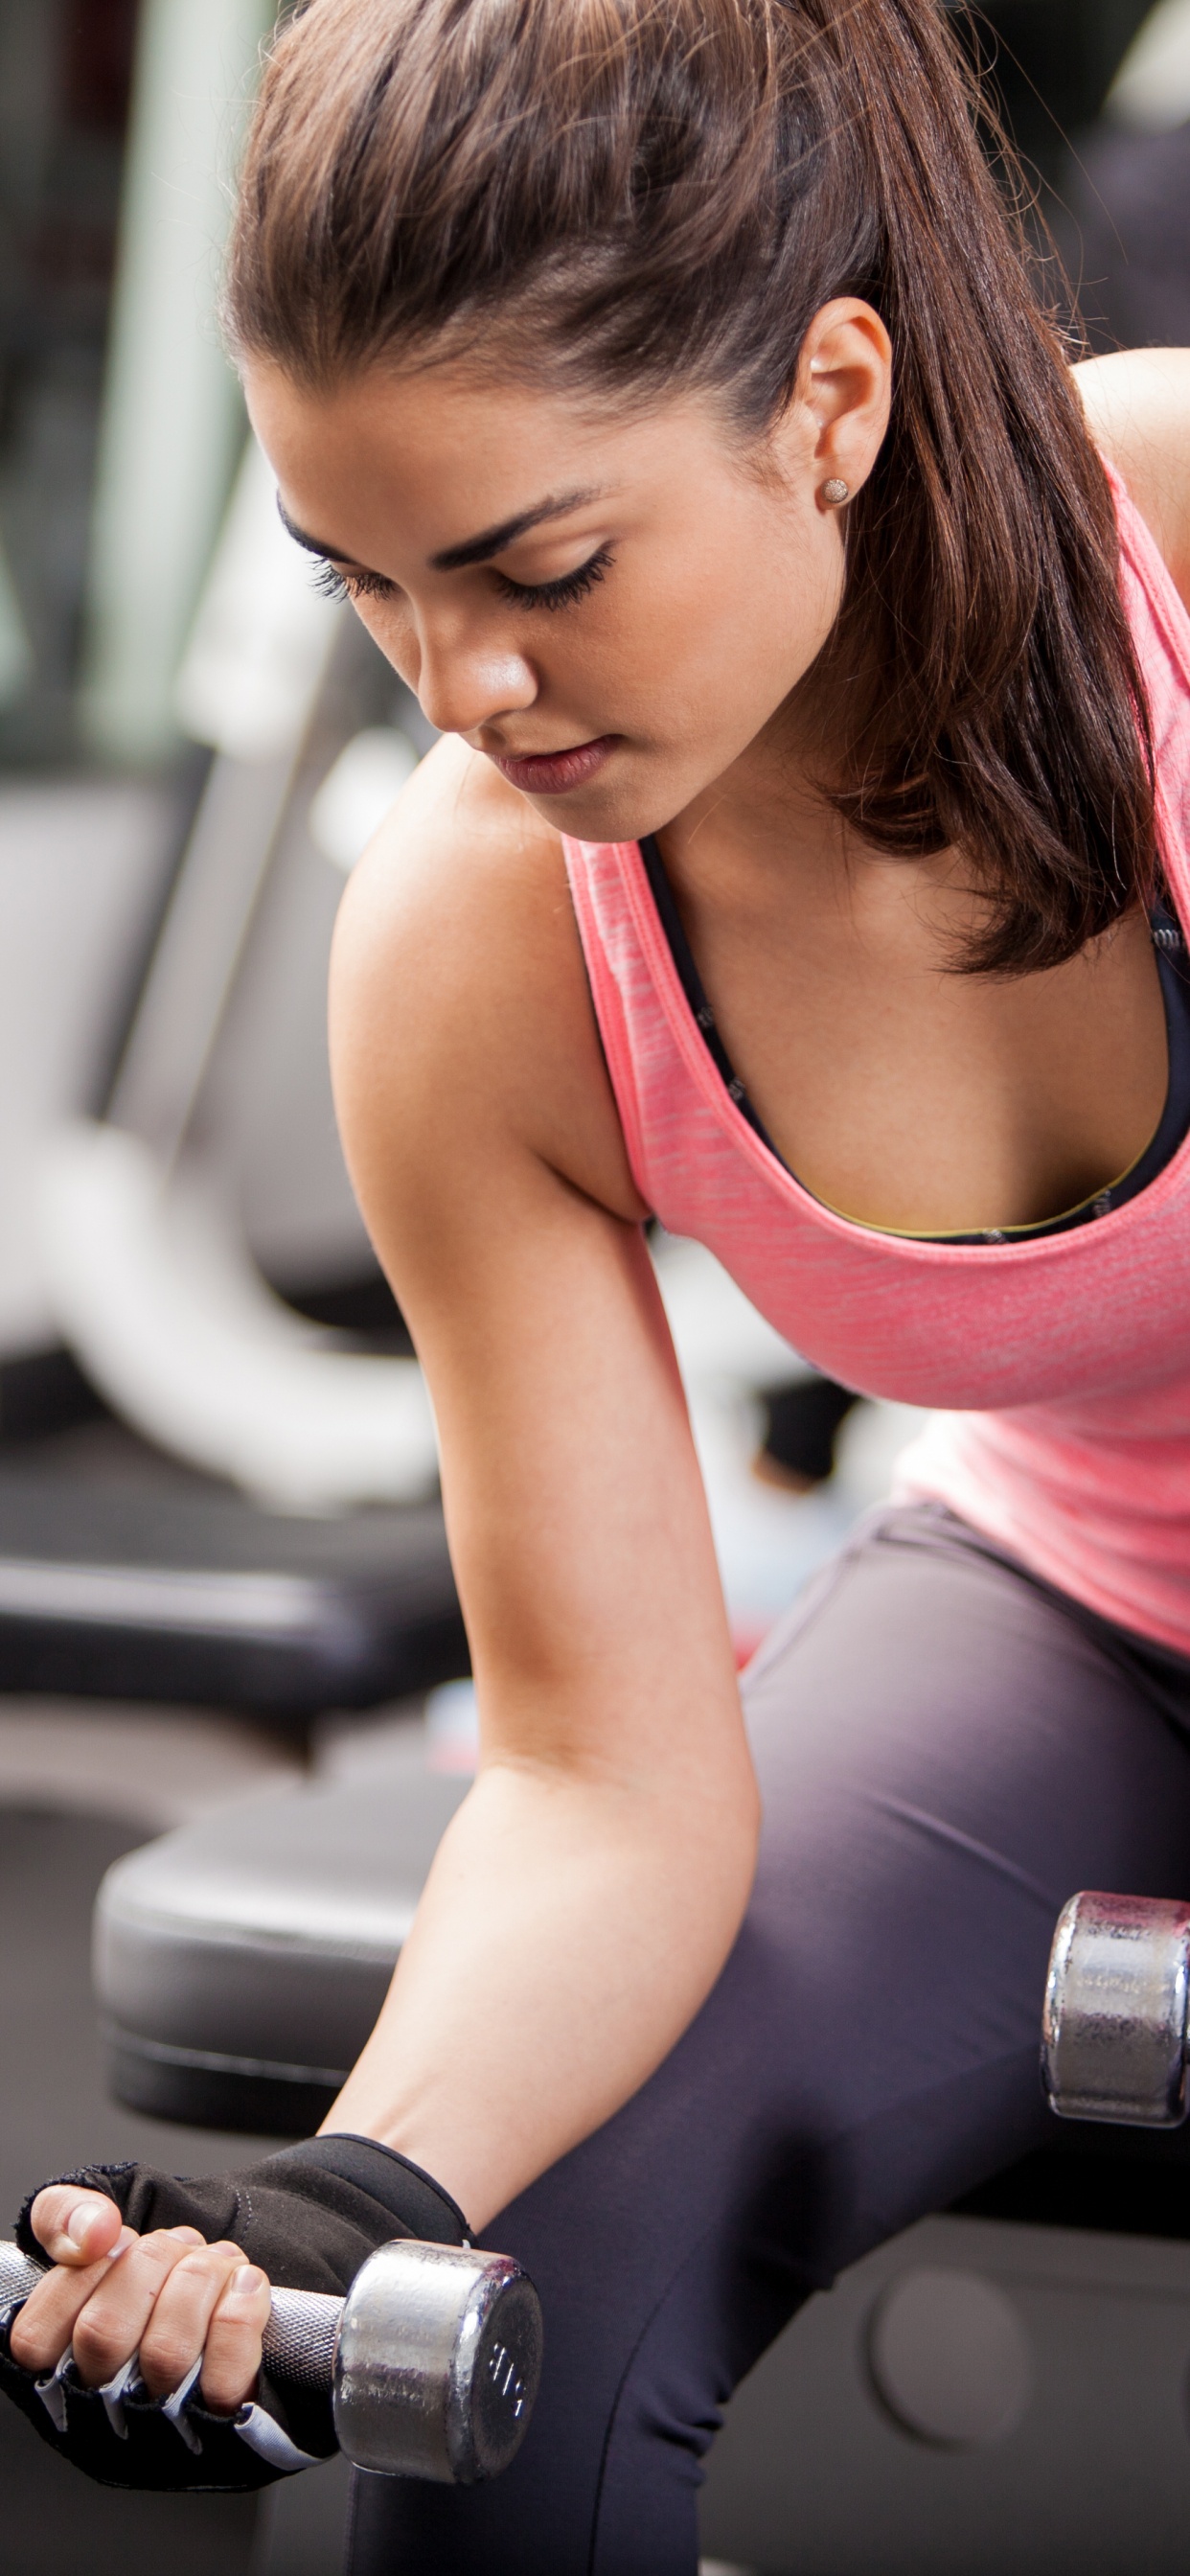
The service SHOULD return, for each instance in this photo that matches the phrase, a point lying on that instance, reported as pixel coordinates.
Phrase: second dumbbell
(1114, 2035)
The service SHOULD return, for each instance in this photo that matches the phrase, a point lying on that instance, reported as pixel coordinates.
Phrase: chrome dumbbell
(432, 2360)
(1114, 2037)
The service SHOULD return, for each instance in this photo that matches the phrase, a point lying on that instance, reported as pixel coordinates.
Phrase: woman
(805, 862)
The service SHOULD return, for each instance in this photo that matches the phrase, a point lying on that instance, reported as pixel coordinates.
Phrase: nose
(464, 682)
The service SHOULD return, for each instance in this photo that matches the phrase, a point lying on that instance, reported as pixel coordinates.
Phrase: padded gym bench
(240, 1962)
(123, 1577)
(1006, 2385)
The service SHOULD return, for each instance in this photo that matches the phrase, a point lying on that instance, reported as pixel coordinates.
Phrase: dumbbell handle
(432, 2360)
(299, 2339)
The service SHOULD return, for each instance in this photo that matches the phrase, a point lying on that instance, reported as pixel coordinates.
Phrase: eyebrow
(492, 541)
(313, 545)
(473, 550)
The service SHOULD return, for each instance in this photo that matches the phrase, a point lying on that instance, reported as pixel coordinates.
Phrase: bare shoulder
(459, 1000)
(1138, 407)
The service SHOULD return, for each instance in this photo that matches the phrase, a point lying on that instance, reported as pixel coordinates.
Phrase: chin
(615, 809)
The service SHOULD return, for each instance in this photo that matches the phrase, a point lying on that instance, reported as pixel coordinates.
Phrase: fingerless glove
(309, 2216)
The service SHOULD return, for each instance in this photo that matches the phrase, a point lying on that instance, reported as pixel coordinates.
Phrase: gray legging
(946, 1749)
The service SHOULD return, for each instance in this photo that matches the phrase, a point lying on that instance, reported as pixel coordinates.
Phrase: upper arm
(484, 1146)
(1138, 409)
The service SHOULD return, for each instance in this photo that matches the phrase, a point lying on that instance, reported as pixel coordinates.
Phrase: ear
(834, 425)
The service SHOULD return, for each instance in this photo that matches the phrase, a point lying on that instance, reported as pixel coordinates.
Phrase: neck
(767, 816)
(764, 842)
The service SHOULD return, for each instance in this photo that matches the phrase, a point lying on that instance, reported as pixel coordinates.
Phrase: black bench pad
(123, 1577)
(240, 1962)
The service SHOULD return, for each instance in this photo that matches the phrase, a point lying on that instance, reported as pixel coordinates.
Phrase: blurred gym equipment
(1121, 215)
(153, 1292)
(1150, 92)
(238, 1534)
(172, 416)
(118, 1576)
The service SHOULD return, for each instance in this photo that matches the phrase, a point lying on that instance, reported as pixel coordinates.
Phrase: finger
(232, 2364)
(234, 2339)
(46, 2323)
(177, 2329)
(112, 2325)
(73, 2224)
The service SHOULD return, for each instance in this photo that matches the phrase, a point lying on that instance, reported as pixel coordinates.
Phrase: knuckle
(31, 2347)
(37, 2305)
(232, 2333)
(96, 2344)
(194, 2265)
(196, 2280)
(159, 2250)
(166, 2354)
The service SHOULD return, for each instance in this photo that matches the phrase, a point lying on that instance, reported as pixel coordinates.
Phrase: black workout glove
(309, 2216)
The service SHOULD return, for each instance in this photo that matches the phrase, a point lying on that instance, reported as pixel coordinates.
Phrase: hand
(167, 2296)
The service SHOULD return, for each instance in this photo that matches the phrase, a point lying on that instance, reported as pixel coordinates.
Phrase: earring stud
(836, 490)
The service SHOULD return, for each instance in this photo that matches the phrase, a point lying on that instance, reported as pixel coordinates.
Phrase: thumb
(75, 2226)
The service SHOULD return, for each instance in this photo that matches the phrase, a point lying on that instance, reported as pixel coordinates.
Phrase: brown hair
(649, 194)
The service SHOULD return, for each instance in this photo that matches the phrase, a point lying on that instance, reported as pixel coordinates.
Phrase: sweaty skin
(590, 1887)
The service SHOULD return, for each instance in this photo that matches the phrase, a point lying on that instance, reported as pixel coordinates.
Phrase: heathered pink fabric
(1062, 1364)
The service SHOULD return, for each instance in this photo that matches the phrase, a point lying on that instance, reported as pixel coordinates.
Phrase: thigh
(944, 1753)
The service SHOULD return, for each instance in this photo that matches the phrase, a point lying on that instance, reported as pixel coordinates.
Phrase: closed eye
(558, 594)
(354, 582)
(335, 584)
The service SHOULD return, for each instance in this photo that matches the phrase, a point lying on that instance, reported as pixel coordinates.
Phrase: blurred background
(222, 1567)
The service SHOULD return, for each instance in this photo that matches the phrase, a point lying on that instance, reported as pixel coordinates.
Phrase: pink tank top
(1058, 1368)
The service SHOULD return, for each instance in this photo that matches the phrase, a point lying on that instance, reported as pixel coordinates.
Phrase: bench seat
(241, 1961)
(124, 1577)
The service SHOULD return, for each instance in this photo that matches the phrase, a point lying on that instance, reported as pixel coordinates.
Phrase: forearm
(569, 1931)
(589, 1890)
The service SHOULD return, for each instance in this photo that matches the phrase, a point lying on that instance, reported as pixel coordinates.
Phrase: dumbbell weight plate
(437, 2363)
(1114, 2030)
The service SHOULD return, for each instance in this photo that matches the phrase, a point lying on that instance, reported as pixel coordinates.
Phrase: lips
(555, 773)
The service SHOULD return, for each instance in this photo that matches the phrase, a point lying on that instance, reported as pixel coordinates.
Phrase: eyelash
(573, 586)
(558, 594)
(334, 584)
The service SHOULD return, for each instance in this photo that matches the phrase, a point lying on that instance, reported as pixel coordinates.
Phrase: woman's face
(612, 608)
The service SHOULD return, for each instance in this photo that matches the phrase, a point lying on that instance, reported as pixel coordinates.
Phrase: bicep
(575, 1507)
(576, 1512)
